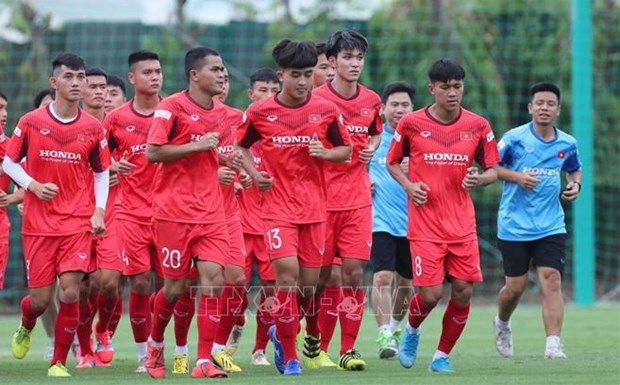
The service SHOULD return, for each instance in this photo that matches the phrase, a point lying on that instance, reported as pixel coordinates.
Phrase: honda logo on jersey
(60, 156)
(138, 148)
(225, 149)
(357, 129)
(443, 158)
(290, 140)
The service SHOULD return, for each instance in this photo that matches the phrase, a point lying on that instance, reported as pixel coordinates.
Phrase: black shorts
(547, 252)
(390, 253)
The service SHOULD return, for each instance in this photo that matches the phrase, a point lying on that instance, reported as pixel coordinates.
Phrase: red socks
(417, 311)
(29, 316)
(454, 320)
(208, 319)
(350, 315)
(64, 331)
(286, 318)
(162, 312)
(140, 316)
(328, 317)
(183, 313)
(106, 306)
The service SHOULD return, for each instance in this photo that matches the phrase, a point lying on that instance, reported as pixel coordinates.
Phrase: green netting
(504, 45)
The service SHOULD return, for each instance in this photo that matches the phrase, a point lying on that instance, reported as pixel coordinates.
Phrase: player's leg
(516, 261)
(549, 256)
(233, 295)
(85, 355)
(462, 267)
(330, 299)
(136, 244)
(383, 260)
(41, 278)
(184, 310)
(354, 246)
(48, 318)
(211, 245)
(403, 288)
(173, 240)
(428, 275)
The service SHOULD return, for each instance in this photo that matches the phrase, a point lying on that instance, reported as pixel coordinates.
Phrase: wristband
(578, 184)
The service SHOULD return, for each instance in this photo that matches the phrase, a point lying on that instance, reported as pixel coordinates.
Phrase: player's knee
(552, 280)
(69, 294)
(382, 278)
(140, 284)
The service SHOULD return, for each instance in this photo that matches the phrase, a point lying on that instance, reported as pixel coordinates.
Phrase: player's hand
(236, 160)
(225, 175)
(208, 142)
(4, 199)
(570, 192)
(113, 179)
(472, 178)
(367, 153)
(405, 165)
(418, 192)
(43, 191)
(527, 180)
(316, 148)
(263, 181)
(97, 222)
(20, 209)
(123, 166)
(246, 180)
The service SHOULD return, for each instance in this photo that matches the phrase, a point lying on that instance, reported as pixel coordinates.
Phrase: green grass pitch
(591, 341)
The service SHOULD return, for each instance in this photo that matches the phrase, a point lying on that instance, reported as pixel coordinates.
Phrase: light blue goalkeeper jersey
(389, 201)
(530, 215)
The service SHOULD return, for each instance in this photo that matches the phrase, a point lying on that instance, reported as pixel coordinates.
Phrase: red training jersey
(127, 132)
(298, 193)
(348, 184)
(251, 200)
(5, 181)
(226, 148)
(439, 155)
(186, 189)
(66, 154)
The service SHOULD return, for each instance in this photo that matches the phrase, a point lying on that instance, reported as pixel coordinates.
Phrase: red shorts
(179, 243)
(236, 249)
(137, 244)
(431, 262)
(5, 227)
(305, 241)
(106, 251)
(349, 234)
(48, 257)
(256, 250)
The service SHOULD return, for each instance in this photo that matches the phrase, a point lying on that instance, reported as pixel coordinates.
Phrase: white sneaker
(233, 339)
(554, 352)
(49, 354)
(503, 340)
(141, 365)
(259, 359)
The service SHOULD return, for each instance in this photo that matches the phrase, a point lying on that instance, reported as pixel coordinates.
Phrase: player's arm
(340, 140)
(368, 152)
(245, 136)
(487, 156)
(526, 180)
(399, 149)
(172, 152)
(16, 197)
(473, 178)
(573, 186)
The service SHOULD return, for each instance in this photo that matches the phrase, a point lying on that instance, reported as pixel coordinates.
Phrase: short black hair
(295, 54)
(96, 71)
(194, 58)
(395, 87)
(444, 70)
(545, 87)
(116, 81)
(3, 96)
(321, 49)
(69, 60)
(266, 75)
(38, 98)
(141, 55)
(345, 40)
